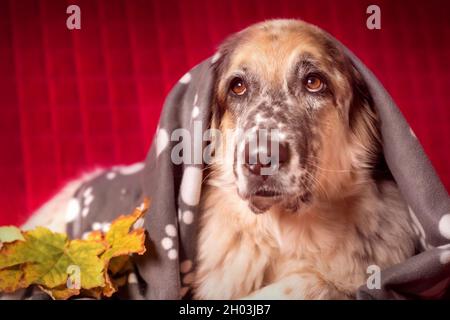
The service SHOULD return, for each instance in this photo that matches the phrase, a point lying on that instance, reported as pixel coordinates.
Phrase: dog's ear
(362, 102)
(217, 108)
(365, 124)
(363, 120)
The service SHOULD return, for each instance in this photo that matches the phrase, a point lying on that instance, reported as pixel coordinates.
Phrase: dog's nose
(263, 157)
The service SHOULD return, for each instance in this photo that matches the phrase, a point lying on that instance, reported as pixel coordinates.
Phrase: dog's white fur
(313, 255)
(323, 251)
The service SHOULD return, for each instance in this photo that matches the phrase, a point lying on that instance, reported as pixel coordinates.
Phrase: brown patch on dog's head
(290, 79)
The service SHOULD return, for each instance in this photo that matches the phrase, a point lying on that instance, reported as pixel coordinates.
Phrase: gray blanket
(165, 272)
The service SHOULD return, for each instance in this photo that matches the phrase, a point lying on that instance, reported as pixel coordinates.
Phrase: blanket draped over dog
(165, 271)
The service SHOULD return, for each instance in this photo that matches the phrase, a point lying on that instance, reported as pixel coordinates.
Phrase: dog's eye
(238, 86)
(314, 83)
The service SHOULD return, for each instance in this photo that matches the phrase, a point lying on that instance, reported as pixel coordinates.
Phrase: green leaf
(10, 234)
(64, 268)
(46, 257)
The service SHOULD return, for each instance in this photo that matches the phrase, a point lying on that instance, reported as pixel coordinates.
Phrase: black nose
(271, 156)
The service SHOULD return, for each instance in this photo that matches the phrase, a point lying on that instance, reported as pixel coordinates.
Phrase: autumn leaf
(45, 257)
(10, 234)
(10, 279)
(64, 268)
(61, 293)
(121, 241)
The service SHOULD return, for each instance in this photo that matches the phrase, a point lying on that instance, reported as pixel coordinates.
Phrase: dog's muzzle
(264, 156)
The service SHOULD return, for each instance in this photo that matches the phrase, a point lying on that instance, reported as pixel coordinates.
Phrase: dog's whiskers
(316, 182)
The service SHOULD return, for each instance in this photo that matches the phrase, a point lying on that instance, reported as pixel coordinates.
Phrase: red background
(73, 100)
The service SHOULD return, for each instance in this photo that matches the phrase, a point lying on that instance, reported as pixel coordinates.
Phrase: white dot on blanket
(445, 257)
(173, 254)
(131, 169)
(186, 78)
(73, 210)
(106, 226)
(110, 175)
(186, 266)
(171, 230)
(88, 200)
(188, 217)
(166, 243)
(444, 226)
(85, 212)
(191, 186)
(195, 112)
(87, 192)
(96, 226)
(162, 141)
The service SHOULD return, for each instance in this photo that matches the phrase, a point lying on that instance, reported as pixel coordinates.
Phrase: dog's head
(302, 122)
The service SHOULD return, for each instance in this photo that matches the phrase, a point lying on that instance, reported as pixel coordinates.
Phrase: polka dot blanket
(166, 270)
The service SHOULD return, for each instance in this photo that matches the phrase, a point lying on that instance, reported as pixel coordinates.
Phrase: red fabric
(73, 100)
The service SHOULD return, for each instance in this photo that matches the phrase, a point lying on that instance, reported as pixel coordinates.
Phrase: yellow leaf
(121, 241)
(46, 257)
(60, 293)
(64, 268)
(10, 279)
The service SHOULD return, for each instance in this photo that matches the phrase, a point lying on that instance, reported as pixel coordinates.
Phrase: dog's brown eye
(314, 84)
(238, 86)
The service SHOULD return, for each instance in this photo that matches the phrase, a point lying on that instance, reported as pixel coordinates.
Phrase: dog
(311, 229)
